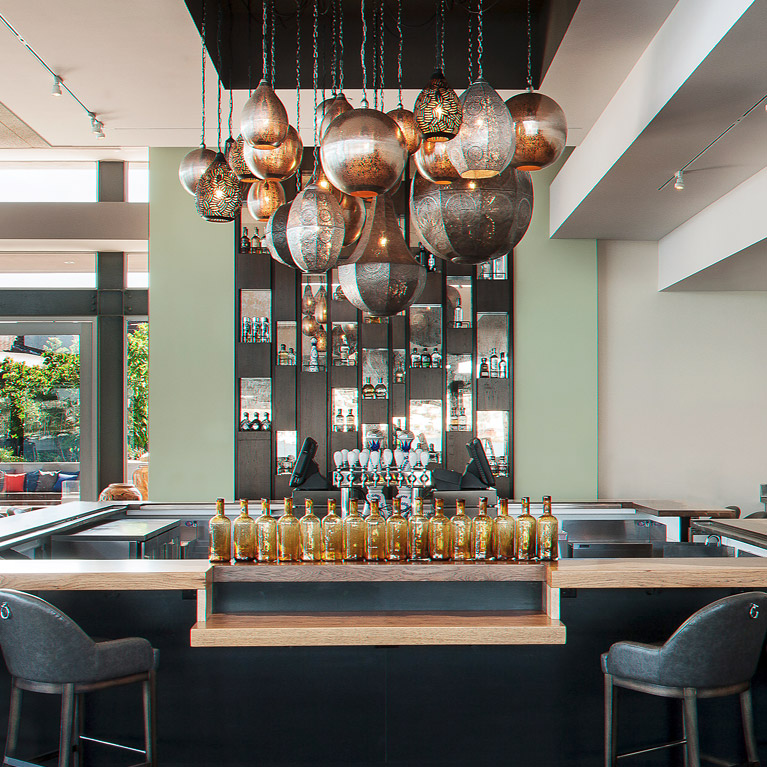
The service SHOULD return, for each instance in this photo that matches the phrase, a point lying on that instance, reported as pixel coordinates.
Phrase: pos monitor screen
(306, 474)
(478, 473)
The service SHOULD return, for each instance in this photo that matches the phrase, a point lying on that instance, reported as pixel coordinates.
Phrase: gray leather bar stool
(712, 654)
(47, 652)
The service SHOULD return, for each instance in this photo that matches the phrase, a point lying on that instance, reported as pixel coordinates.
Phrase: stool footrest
(652, 748)
(113, 745)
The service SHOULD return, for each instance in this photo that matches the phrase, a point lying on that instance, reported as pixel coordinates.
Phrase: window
(48, 182)
(138, 182)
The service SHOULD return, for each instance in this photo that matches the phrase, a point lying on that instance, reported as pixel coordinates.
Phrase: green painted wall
(555, 359)
(191, 354)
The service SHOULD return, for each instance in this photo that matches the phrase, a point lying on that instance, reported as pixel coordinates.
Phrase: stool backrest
(39, 642)
(719, 645)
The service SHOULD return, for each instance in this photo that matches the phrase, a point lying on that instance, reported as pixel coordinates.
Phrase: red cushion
(14, 483)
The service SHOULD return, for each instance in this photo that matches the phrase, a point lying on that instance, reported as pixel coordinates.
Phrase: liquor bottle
(288, 535)
(380, 390)
(499, 268)
(311, 534)
(355, 532)
(426, 361)
(484, 370)
(338, 294)
(245, 422)
(255, 241)
(245, 330)
(220, 528)
(423, 256)
(266, 424)
(482, 533)
(266, 534)
(525, 541)
(462, 422)
(351, 360)
(436, 358)
(340, 421)
(332, 535)
(503, 368)
(244, 534)
(418, 533)
(283, 358)
(375, 534)
(460, 532)
(350, 420)
(439, 533)
(399, 374)
(255, 423)
(493, 364)
(485, 271)
(396, 533)
(314, 358)
(548, 533)
(368, 390)
(431, 263)
(265, 336)
(415, 358)
(244, 240)
(458, 314)
(291, 356)
(454, 418)
(504, 531)
(343, 350)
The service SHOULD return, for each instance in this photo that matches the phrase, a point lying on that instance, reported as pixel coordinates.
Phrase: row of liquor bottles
(255, 423)
(375, 538)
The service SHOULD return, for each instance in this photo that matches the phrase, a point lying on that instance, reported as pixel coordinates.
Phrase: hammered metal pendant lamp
(434, 164)
(264, 197)
(218, 192)
(235, 158)
(279, 162)
(276, 237)
(337, 106)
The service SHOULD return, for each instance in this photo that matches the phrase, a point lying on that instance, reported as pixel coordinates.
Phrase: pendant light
(437, 109)
(264, 197)
(485, 143)
(433, 163)
(196, 162)
(276, 237)
(279, 162)
(385, 278)
(321, 306)
(235, 157)
(404, 117)
(472, 221)
(363, 151)
(264, 121)
(352, 209)
(539, 122)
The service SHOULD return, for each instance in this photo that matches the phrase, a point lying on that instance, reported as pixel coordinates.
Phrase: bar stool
(47, 652)
(712, 654)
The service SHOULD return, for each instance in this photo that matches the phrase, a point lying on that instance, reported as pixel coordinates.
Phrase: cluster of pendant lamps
(471, 200)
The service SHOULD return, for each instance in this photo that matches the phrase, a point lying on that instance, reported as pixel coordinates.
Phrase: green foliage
(138, 389)
(7, 456)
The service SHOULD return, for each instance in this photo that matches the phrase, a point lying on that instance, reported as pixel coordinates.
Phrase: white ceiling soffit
(702, 71)
(54, 245)
(16, 134)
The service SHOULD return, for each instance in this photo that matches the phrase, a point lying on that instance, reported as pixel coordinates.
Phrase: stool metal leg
(691, 727)
(67, 725)
(14, 721)
(150, 719)
(747, 713)
(79, 719)
(611, 722)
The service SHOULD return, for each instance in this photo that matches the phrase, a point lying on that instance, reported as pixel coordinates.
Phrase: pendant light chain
(529, 50)
(442, 35)
(479, 40)
(202, 62)
(218, 45)
(362, 56)
(271, 15)
(314, 83)
(298, 86)
(334, 48)
(231, 66)
(264, 42)
(470, 22)
(340, 47)
(399, 54)
(250, 48)
(375, 55)
(381, 74)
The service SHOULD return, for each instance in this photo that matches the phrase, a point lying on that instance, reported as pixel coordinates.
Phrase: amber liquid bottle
(439, 533)
(396, 534)
(375, 534)
(220, 528)
(525, 543)
(460, 532)
(266, 534)
(418, 533)
(332, 535)
(482, 533)
(503, 534)
(311, 534)
(244, 535)
(288, 535)
(355, 531)
(548, 533)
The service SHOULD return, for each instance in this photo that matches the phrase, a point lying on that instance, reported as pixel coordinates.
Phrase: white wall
(682, 386)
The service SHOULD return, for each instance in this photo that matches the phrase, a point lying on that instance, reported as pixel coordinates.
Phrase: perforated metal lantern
(363, 153)
(541, 130)
(437, 110)
(409, 127)
(384, 278)
(277, 163)
(234, 156)
(331, 108)
(315, 230)
(469, 221)
(276, 236)
(433, 163)
(352, 208)
(484, 145)
(264, 197)
(218, 192)
(264, 121)
(193, 165)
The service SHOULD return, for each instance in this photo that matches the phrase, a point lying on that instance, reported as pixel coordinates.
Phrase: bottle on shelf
(423, 256)
(255, 241)
(484, 370)
(283, 358)
(380, 390)
(255, 423)
(426, 361)
(493, 364)
(436, 358)
(244, 240)
(375, 534)
(415, 358)
(504, 533)
(503, 368)
(482, 533)
(310, 529)
(355, 533)
(431, 263)
(454, 417)
(499, 268)
(399, 374)
(332, 535)
(439, 533)
(486, 271)
(266, 424)
(314, 358)
(463, 424)
(368, 390)
(340, 421)
(433, 455)
(350, 420)
(244, 535)
(343, 350)
(548, 533)
(397, 534)
(288, 535)
(460, 532)
(266, 534)
(245, 330)
(418, 533)
(525, 542)
(264, 334)
(458, 314)
(245, 422)
(351, 360)
(220, 529)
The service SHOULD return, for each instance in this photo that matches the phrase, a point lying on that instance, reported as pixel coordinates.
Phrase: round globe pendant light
(434, 164)
(315, 230)
(193, 165)
(234, 156)
(276, 236)
(405, 119)
(264, 197)
(384, 278)
(470, 221)
(278, 163)
(218, 192)
(352, 209)
(541, 130)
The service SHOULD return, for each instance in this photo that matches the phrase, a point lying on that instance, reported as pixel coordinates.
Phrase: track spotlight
(679, 180)
(97, 126)
(56, 88)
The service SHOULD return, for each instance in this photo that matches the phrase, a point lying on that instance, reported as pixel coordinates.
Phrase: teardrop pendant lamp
(337, 106)
(433, 163)
(277, 163)
(264, 197)
(218, 192)
(233, 152)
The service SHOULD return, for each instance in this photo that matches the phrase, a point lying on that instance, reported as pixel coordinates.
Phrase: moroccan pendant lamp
(277, 163)
(384, 278)
(235, 157)
(539, 122)
(352, 209)
(433, 163)
(264, 197)
(276, 237)
(437, 110)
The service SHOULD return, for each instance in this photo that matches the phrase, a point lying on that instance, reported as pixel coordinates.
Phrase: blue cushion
(63, 476)
(30, 481)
